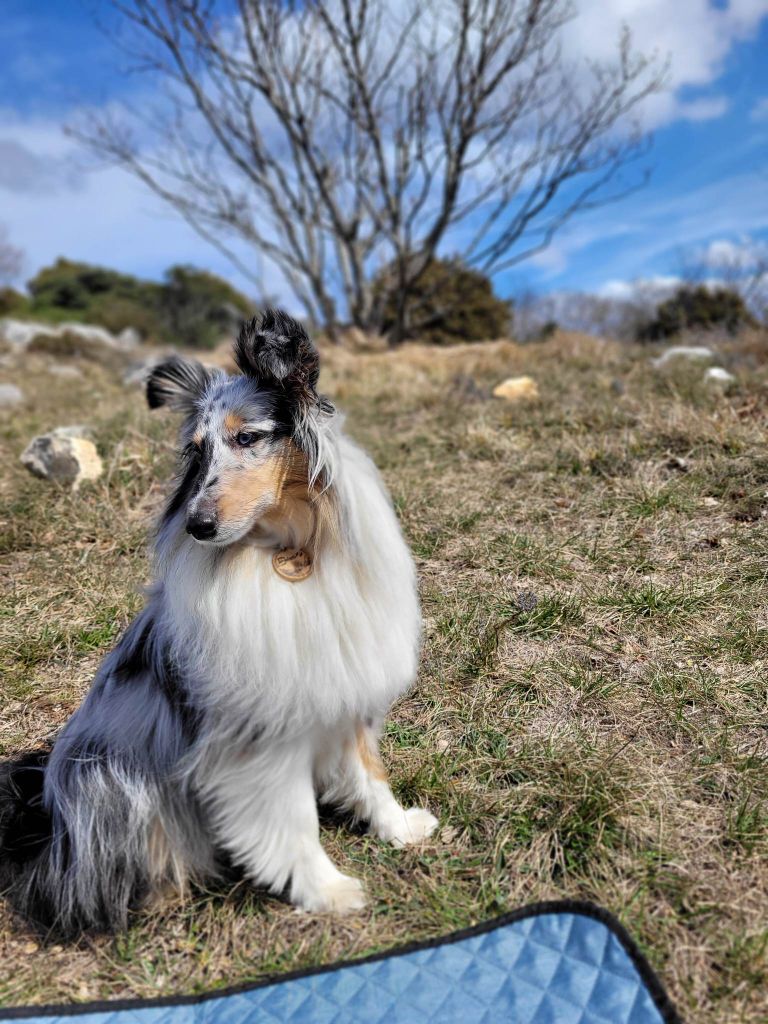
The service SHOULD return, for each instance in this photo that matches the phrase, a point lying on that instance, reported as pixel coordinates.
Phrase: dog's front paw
(408, 827)
(338, 895)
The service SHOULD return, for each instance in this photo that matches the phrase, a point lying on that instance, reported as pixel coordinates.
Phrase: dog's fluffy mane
(229, 683)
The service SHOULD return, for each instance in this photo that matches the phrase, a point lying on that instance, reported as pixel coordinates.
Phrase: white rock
(693, 352)
(10, 395)
(65, 372)
(75, 430)
(19, 334)
(129, 337)
(717, 375)
(64, 455)
(515, 388)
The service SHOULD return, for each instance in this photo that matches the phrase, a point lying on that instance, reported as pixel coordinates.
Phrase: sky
(708, 165)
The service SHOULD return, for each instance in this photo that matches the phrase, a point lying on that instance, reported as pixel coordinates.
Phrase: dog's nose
(202, 525)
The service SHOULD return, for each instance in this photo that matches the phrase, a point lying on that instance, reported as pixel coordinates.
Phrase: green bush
(12, 302)
(699, 306)
(449, 303)
(190, 307)
(198, 307)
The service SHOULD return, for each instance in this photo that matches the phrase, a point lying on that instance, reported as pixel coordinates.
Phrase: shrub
(449, 303)
(12, 302)
(190, 306)
(700, 307)
(198, 307)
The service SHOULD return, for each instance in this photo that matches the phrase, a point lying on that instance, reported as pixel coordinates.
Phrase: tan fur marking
(166, 870)
(197, 437)
(368, 754)
(304, 519)
(233, 422)
(247, 489)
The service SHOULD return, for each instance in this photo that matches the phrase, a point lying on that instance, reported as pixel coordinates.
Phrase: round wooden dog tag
(293, 564)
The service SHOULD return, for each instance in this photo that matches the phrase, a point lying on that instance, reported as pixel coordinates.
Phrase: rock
(65, 372)
(692, 352)
(513, 389)
(129, 337)
(677, 463)
(717, 375)
(65, 455)
(10, 396)
(75, 430)
(21, 334)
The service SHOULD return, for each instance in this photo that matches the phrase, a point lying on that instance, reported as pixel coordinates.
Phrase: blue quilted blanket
(552, 963)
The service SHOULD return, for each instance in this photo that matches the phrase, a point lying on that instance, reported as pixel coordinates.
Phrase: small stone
(717, 375)
(64, 456)
(527, 601)
(513, 389)
(691, 352)
(65, 372)
(710, 502)
(10, 396)
(129, 337)
(678, 463)
(75, 430)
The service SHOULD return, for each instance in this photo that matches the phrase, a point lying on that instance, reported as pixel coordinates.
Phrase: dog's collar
(292, 564)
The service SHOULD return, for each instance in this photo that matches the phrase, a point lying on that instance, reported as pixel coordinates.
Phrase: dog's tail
(26, 829)
(82, 863)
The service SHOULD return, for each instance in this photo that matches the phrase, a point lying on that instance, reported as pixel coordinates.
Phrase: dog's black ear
(277, 350)
(178, 383)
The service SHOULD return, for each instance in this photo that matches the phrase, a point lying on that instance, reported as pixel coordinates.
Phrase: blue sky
(709, 160)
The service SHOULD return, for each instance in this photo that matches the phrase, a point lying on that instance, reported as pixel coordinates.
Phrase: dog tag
(293, 564)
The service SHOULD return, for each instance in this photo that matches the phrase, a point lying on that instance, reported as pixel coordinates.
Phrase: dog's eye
(246, 438)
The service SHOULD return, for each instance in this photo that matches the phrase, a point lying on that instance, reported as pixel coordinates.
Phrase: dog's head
(251, 443)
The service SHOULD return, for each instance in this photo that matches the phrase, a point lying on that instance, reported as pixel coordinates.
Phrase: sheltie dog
(282, 624)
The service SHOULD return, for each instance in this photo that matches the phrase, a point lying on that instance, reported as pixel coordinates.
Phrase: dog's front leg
(354, 778)
(265, 814)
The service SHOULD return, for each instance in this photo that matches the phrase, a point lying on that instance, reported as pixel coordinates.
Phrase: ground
(589, 720)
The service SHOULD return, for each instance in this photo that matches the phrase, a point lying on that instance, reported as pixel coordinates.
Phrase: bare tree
(10, 258)
(340, 137)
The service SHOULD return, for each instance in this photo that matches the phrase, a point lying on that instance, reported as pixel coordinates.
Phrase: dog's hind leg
(265, 815)
(353, 777)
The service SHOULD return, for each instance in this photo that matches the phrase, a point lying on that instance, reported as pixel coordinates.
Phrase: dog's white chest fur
(343, 642)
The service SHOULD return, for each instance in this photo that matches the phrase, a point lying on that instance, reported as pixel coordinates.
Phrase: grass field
(590, 716)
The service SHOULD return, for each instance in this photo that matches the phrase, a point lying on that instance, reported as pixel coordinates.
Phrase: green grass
(589, 718)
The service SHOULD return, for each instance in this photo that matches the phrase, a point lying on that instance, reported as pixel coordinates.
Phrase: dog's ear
(178, 383)
(276, 350)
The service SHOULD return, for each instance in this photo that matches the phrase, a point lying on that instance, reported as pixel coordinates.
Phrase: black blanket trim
(659, 995)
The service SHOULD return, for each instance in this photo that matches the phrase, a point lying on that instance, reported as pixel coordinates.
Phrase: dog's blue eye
(246, 438)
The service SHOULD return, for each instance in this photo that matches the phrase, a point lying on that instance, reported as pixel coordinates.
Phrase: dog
(282, 624)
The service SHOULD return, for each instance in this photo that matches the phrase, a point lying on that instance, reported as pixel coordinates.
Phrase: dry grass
(590, 716)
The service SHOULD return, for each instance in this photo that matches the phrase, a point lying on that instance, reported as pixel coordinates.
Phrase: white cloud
(741, 256)
(53, 205)
(23, 170)
(656, 287)
(695, 35)
(705, 109)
